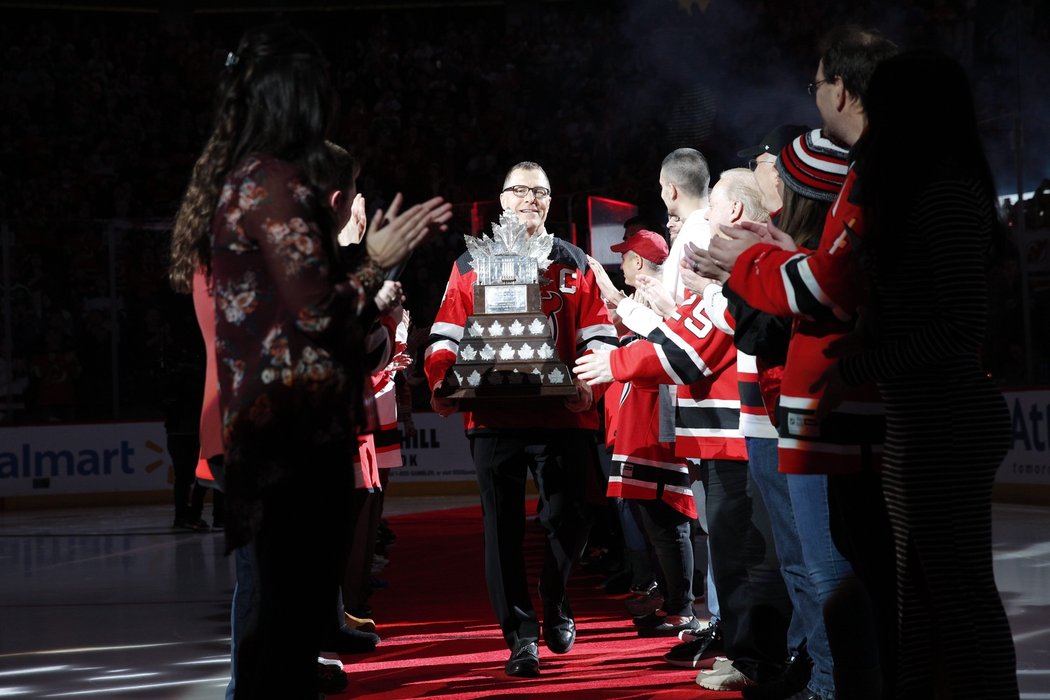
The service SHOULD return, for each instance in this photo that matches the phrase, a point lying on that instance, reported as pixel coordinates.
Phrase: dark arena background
(104, 106)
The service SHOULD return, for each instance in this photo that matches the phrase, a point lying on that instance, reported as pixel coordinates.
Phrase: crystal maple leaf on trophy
(509, 255)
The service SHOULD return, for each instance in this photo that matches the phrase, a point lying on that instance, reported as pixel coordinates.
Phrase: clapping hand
(392, 237)
(354, 230)
(732, 241)
(606, 287)
(780, 238)
(700, 270)
(651, 292)
(400, 361)
(594, 368)
(389, 299)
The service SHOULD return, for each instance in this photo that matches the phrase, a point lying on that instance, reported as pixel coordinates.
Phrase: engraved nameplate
(505, 298)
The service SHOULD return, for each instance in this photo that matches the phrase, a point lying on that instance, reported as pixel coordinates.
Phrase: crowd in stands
(104, 111)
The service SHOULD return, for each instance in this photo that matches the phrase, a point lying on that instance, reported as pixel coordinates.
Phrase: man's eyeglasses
(521, 191)
(812, 87)
(754, 163)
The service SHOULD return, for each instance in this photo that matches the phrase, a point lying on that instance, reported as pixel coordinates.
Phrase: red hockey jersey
(754, 419)
(580, 322)
(822, 290)
(643, 467)
(688, 350)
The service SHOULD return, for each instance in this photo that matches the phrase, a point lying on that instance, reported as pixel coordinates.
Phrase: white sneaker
(690, 635)
(726, 678)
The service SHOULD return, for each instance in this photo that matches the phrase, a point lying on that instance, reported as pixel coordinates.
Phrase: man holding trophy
(518, 310)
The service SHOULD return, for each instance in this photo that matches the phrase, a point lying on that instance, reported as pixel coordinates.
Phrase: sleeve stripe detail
(600, 344)
(709, 432)
(452, 331)
(691, 366)
(708, 403)
(662, 356)
(439, 345)
(818, 446)
(818, 294)
(598, 329)
(805, 403)
(669, 466)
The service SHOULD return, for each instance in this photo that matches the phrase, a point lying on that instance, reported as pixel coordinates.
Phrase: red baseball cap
(648, 244)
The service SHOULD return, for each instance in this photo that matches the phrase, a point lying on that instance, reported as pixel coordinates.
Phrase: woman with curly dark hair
(288, 322)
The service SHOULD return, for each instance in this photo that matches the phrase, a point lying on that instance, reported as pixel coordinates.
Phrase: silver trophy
(508, 348)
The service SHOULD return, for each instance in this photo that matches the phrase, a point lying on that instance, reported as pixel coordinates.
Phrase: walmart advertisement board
(65, 459)
(131, 457)
(127, 457)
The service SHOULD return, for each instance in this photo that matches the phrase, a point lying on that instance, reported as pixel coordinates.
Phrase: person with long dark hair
(288, 324)
(932, 232)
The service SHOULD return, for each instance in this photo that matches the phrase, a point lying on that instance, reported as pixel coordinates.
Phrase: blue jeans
(702, 550)
(844, 601)
(630, 522)
(807, 620)
(243, 607)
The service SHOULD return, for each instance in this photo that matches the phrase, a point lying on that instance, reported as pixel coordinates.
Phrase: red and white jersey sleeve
(645, 468)
(819, 285)
(387, 439)
(447, 330)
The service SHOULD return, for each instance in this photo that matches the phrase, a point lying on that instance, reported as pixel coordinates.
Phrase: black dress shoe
(524, 661)
(350, 641)
(559, 627)
(791, 683)
(559, 633)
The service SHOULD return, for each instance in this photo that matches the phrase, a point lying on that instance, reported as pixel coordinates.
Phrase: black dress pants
(560, 461)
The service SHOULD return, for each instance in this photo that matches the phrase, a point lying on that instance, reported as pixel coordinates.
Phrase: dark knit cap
(774, 141)
(813, 166)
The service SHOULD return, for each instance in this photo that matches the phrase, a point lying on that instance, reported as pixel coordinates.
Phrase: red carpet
(440, 639)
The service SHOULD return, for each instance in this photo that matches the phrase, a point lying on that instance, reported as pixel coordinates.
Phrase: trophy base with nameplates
(508, 350)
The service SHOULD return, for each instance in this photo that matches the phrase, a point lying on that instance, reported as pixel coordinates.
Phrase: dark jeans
(752, 598)
(560, 461)
(669, 533)
(298, 555)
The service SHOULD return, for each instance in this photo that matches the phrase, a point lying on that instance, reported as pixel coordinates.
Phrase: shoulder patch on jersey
(463, 263)
(565, 253)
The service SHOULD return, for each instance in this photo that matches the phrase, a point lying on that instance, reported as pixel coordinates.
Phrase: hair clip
(232, 59)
